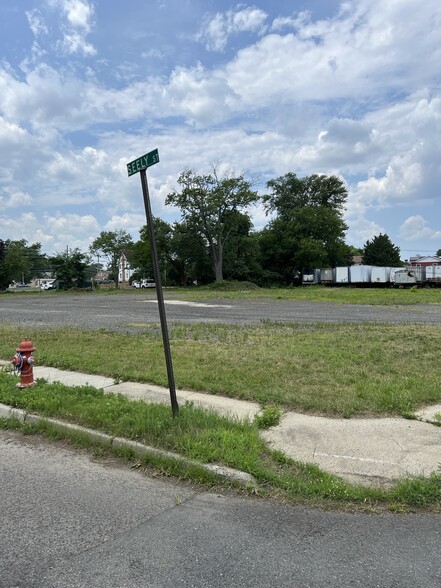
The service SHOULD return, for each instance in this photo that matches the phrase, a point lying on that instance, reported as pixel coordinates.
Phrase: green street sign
(143, 162)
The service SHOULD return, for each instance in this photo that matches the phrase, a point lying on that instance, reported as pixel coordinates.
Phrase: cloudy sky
(274, 86)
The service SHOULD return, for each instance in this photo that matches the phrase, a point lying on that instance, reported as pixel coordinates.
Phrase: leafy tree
(242, 253)
(70, 267)
(189, 259)
(308, 229)
(21, 262)
(290, 193)
(140, 252)
(112, 244)
(4, 278)
(381, 251)
(206, 202)
(438, 253)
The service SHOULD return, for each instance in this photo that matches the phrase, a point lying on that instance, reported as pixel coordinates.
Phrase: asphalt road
(72, 522)
(125, 312)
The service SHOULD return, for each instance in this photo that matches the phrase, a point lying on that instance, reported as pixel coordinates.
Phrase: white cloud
(361, 53)
(79, 15)
(416, 228)
(201, 97)
(130, 222)
(36, 23)
(361, 230)
(217, 30)
(15, 199)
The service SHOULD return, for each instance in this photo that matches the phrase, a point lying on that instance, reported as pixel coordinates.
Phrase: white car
(148, 283)
(47, 286)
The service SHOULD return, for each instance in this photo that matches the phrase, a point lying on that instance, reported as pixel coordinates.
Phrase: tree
(112, 244)
(140, 252)
(21, 262)
(381, 252)
(438, 253)
(70, 267)
(4, 278)
(189, 259)
(308, 229)
(206, 202)
(242, 253)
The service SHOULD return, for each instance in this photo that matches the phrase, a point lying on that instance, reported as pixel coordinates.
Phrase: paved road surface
(125, 311)
(69, 522)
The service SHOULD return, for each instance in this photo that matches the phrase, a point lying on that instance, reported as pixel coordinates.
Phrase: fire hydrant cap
(26, 346)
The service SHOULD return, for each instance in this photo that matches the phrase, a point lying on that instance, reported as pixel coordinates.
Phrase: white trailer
(342, 275)
(433, 275)
(380, 275)
(410, 276)
(384, 275)
(360, 274)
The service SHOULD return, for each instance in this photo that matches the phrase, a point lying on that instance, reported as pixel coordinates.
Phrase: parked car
(47, 286)
(136, 284)
(148, 283)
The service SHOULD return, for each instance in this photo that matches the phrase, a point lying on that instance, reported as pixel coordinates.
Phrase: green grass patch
(344, 294)
(335, 369)
(207, 438)
(247, 290)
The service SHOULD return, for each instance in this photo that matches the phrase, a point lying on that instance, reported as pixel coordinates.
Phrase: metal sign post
(141, 164)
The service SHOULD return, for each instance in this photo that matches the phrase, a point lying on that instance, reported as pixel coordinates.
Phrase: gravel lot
(129, 312)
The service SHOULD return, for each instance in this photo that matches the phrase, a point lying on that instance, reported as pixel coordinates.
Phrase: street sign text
(143, 162)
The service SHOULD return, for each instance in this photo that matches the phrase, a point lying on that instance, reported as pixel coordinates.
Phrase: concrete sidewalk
(366, 451)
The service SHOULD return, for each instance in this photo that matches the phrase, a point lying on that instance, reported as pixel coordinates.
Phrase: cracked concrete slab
(369, 451)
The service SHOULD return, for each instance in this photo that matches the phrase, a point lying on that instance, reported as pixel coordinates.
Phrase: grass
(343, 295)
(333, 369)
(228, 290)
(209, 438)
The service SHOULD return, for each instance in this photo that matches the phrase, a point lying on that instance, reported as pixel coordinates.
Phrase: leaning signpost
(140, 165)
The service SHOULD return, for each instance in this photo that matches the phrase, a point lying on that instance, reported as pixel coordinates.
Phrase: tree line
(214, 239)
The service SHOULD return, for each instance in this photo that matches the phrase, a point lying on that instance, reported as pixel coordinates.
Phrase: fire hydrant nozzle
(23, 362)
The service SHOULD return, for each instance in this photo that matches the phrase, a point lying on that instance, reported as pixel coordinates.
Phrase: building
(424, 261)
(125, 272)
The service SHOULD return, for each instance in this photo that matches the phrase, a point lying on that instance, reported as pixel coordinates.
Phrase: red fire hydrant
(23, 362)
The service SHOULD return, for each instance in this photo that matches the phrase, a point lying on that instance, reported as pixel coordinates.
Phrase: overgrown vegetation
(209, 438)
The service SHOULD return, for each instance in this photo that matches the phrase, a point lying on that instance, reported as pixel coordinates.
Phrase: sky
(350, 88)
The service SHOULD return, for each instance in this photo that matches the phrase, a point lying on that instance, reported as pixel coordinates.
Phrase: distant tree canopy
(308, 229)
(112, 244)
(70, 267)
(381, 251)
(215, 240)
(438, 253)
(208, 204)
(20, 262)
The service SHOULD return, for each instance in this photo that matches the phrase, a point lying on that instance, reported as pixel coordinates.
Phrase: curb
(223, 472)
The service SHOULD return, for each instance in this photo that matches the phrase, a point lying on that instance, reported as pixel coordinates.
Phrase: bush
(232, 286)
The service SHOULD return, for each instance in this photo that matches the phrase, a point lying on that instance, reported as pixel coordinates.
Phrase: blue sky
(349, 88)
